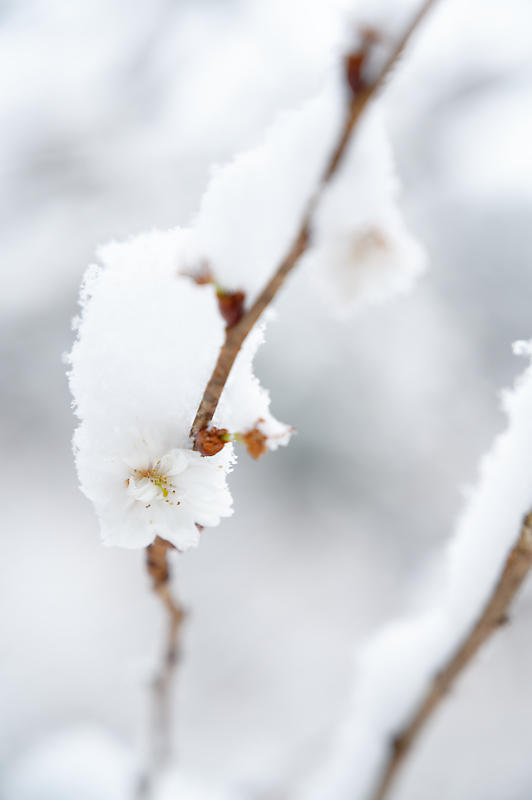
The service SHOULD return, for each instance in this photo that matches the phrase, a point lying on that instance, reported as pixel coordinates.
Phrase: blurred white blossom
(369, 264)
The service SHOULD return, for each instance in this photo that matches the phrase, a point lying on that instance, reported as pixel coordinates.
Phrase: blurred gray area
(111, 116)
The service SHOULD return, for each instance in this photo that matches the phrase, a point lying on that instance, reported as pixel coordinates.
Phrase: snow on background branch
(394, 670)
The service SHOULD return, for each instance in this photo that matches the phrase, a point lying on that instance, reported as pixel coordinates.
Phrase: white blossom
(167, 495)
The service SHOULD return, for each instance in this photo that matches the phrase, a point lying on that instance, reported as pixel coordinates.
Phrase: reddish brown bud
(355, 62)
(210, 441)
(353, 70)
(231, 306)
(255, 442)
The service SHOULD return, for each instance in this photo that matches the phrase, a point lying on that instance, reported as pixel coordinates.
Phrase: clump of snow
(360, 250)
(252, 208)
(386, 696)
(148, 340)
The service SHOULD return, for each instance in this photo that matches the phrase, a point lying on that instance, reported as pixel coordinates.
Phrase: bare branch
(161, 709)
(493, 616)
(237, 334)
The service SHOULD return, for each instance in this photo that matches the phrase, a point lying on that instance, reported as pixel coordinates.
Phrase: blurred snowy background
(112, 115)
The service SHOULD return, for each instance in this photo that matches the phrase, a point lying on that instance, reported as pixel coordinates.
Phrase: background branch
(494, 615)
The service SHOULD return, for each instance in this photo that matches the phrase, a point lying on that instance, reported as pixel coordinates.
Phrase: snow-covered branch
(405, 671)
(364, 87)
(494, 615)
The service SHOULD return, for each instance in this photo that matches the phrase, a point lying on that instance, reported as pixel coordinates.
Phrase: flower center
(165, 489)
(160, 481)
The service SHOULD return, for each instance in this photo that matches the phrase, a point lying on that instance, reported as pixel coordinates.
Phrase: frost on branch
(147, 342)
(395, 668)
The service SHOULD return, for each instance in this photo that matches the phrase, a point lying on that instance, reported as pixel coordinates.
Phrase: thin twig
(237, 334)
(493, 616)
(160, 744)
